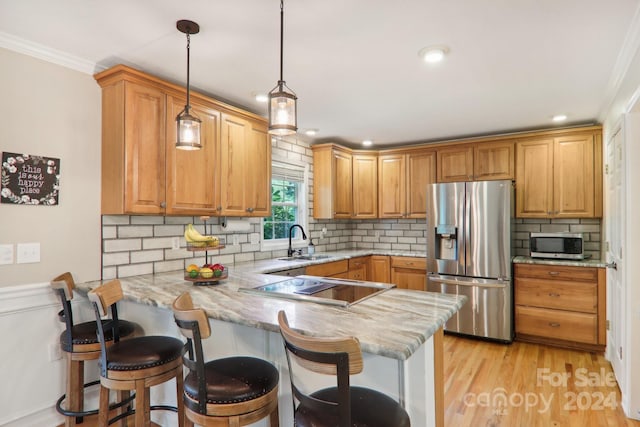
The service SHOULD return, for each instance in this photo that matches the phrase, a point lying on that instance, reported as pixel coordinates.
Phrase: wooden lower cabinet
(359, 268)
(380, 269)
(561, 305)
(409, 272)
(329, 269)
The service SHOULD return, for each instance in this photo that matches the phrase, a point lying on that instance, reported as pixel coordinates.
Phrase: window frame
(303, 212)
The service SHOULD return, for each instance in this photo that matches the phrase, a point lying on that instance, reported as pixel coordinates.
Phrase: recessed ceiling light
(433, 54)
(261, 97)
(559, 118)
(311, 132)
(367, 142)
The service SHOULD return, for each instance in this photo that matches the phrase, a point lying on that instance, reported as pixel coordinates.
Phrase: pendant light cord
(188, 70)
(281, 36)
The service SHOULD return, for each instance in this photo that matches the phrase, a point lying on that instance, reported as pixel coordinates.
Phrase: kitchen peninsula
(400, 331)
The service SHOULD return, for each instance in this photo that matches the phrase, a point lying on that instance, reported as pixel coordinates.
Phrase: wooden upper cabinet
(494, 160)
(455, 163)
(133, 148)
(391, 185)
(332, 182)
(402, 183)
(245, 168)
(191, 174)
(559, 177)
(258, 181)
(573, 179)
(421, 171)
(534, 178)
(365, 190)
(144, 173)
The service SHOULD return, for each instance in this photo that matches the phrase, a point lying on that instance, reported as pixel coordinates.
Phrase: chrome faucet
(290, 251)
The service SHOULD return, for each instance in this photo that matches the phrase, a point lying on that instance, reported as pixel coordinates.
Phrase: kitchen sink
(304, 258)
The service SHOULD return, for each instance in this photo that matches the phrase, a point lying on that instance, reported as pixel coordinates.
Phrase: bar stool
(233, 391)
(134, 364)
(343, 405)
(80, 343)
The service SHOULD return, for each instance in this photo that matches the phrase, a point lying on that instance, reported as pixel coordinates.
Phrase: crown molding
(36, 50)
(630, 48)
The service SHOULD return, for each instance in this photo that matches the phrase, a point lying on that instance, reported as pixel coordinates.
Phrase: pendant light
(282, 100)
(188, 125)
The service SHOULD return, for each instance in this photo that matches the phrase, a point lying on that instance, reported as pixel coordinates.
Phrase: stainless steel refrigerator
(469, 253)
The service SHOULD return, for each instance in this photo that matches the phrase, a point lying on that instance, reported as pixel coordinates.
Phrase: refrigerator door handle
(487, 284)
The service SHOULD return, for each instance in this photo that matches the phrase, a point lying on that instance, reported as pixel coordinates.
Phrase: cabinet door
(493, 160)
(406, 278)
(233, 166)
(258, 176)
(391, 186)
(342, 185)
(359, 268)
(380, 269)
(573, 183)
(534, 178)
(365, 189)
(191, 182)
(144, 112)
(421, 171)
(455, 164)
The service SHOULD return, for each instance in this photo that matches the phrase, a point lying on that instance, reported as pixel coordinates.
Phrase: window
(288, 206)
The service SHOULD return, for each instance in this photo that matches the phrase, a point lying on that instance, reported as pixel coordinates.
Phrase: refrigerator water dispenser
(446, 243)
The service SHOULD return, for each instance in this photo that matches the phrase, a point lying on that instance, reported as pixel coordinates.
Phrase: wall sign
(29, 179)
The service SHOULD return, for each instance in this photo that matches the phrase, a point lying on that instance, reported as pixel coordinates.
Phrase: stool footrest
(133, 411)
(69, 413)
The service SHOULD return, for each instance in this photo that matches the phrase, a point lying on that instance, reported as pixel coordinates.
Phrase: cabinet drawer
(573, 296)
(557, 272)
(357, 263)
(563, 325)
(409, 262)
(328, 268)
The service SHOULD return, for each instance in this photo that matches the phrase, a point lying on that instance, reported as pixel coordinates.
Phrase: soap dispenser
(311, 249)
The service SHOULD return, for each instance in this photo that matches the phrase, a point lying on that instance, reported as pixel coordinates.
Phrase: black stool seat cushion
(143, 352)
(87, 333)
(369, 408)
(233, 380)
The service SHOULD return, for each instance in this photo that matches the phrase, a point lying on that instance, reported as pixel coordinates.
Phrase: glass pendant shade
(188, 126)
(282, 111)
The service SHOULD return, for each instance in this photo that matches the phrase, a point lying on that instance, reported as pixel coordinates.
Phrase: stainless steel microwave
(557, 245)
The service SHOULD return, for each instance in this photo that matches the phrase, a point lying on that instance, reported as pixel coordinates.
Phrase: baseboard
(44, 417)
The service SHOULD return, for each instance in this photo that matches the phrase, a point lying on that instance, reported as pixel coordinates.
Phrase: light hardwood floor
(490, 385)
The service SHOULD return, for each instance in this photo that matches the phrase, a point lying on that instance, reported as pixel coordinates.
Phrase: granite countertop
(393, 324)
(596, 263)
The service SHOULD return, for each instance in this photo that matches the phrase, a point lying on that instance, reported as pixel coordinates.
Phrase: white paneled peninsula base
(400, 333)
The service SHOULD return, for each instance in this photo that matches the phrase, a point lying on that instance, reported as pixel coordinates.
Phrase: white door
(615, 232)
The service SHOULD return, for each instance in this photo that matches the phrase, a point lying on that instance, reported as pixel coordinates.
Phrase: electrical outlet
(324, 230)
(54, 352)
(6, 254)
(28, 253)
(175, 243)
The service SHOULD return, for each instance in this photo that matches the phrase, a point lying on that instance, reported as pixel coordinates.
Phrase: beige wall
(52, 111)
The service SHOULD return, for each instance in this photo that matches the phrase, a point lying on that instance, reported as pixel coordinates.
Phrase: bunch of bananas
(194, 238)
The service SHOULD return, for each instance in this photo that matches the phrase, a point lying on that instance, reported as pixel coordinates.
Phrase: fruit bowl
(205, 246)
(199, 280)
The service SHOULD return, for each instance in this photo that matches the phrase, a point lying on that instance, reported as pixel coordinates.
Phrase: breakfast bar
(400, 331)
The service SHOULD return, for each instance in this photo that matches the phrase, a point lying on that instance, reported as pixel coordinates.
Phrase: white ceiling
(354, 63)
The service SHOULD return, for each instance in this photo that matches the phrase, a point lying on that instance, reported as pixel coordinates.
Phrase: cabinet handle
(551, 294)
(219, 208)
(549, 212)
(249, 210)
(163, 205)
(553, 273)
(554, 324)
(409, 263)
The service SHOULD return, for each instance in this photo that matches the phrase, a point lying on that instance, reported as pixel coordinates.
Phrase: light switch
(28, 253)
(6, 254)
